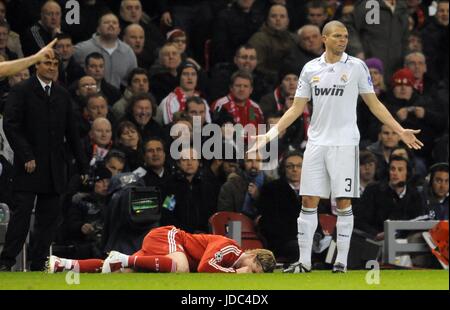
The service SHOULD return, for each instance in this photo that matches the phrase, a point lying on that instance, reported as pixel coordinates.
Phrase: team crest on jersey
(344, 78)
(218, 256)
(315, 79)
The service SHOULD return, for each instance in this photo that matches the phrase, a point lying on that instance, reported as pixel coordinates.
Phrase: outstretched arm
(8, 68)
(288, 118)
(380, 111)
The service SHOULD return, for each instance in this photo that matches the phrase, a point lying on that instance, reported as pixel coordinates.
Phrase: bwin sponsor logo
(335, 91)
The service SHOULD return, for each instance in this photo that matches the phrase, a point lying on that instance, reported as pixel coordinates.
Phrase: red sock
(152, 263)
(88, 265)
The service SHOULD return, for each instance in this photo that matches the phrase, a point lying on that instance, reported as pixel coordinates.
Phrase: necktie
(47, 90)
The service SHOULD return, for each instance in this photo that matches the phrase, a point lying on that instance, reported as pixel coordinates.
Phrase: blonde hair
(265, 258)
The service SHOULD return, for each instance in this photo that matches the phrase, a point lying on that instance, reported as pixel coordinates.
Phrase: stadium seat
(328, 223)
(219, 225)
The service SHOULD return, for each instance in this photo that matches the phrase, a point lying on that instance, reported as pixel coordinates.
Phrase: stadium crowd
(130, 71)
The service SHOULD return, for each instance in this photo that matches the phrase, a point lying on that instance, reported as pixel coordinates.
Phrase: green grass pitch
(317, 280)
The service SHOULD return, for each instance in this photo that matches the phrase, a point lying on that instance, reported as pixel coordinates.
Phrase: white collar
(43, 84)
(343, 59)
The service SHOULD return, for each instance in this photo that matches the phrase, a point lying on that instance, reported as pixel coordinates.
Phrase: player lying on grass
(168, 249)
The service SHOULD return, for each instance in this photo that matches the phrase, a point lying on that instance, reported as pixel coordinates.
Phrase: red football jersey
(205, 253)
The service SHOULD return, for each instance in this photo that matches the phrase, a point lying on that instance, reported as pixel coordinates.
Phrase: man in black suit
(38, 120)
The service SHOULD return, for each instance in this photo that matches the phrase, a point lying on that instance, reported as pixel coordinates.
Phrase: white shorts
(330, 170)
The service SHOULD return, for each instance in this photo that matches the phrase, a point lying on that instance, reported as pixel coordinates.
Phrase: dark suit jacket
(37, 127)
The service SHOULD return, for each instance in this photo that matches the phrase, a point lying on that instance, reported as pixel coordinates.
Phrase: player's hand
(245, 269)
(30, 166)
(259, 142)
(46, 52)
(408, 136)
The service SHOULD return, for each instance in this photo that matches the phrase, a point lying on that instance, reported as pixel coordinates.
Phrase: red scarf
(418, 85)
(278, 98)
(242, 114)
(181, 96)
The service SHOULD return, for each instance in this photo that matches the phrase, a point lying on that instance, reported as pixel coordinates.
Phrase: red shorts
(162, 241)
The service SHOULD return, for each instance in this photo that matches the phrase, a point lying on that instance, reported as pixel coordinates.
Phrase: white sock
(344, 229)
(307, 225)
(68, 263)
(124, 260)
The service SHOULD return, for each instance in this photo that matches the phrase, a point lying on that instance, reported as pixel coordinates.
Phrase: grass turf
(317, 280)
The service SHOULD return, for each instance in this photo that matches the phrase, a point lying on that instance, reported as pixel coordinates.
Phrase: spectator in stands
(238, 103)
(436, 193)
(85, 86)
(131, 13)
(233, 28)
(316, 12)
(177, 99)
(94, 66)
(416, 110)
(69, 70)
(115, 161)
(96, 106)
(370, 40)
(418, 167)
(309, 46)
(13, 44)
(197, 107)
(279, 206)
(415, 42)
(367, 169)
(119, 57)
(296, 10)
(158, 170)
(163, 74)
(134, 36)
(245, 59)
(42, 32)
(180, 39)
(275, 100)
(417, 12)
(274, 42)
(368, 124)
(391, 200)
(241, 191)
(12, 80)
(194, 195)
(423, 83)
(99, 140)
(141, 111)
(387, 141)
(435, 41)
(129, 142)
(4, 36)
(85, 217)
(138, 83)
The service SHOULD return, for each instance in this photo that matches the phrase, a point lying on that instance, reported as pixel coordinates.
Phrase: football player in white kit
(331, 161)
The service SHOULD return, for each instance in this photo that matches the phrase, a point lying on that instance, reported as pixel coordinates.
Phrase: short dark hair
(366, 157)
(438, 167)
(134, 72)
(93, 55)
(138, 97)
(96, 95)
(63, 36)
(246, 46)
(194, 99)
(119, 155)
(155, 138)
(316, 4)
(243, 75)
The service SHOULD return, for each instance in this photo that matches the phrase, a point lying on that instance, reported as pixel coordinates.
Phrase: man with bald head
(99, 141)
(330, 166)
(309, 46)
(43, 31)
(134, 36)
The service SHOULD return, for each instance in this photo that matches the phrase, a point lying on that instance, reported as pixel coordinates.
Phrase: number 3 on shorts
(348, 189)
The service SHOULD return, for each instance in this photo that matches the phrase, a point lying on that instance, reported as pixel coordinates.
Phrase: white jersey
(334, 90)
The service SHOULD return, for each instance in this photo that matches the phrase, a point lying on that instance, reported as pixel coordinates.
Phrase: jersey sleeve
(219, 257)
(365, 84)
(303, 85)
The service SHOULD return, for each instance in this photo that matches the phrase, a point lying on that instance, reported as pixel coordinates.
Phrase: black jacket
(195, 202)
(279, 206)
(379, 203)
(36, 127)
